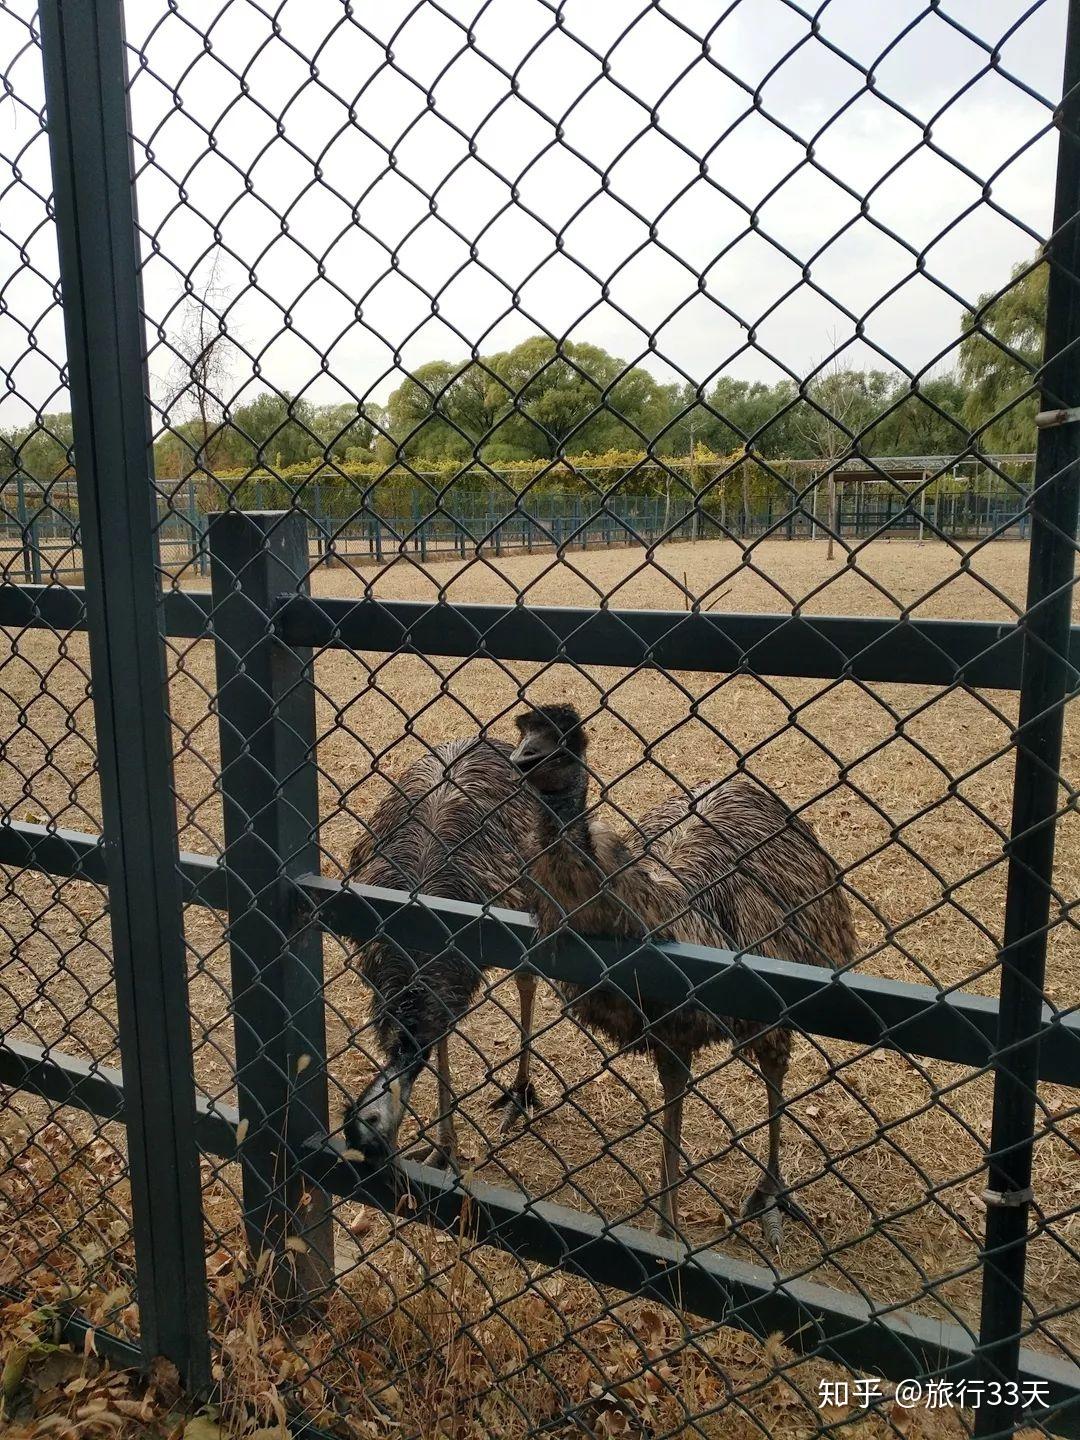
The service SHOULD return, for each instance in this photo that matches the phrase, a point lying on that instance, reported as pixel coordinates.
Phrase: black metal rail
(850, 1005)
(820, 1319)
(978, 653)
(1046, 680)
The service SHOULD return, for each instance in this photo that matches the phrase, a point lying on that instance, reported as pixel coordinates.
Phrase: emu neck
(562, 816)
(568, 872)
(579, 872)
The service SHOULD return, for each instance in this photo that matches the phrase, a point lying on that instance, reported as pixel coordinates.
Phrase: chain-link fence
(582, 945)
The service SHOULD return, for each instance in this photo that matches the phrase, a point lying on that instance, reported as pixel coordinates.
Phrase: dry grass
(887, 1150)
(428, 1337)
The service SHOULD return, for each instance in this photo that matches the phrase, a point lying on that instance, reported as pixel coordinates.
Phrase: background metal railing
(39, 529)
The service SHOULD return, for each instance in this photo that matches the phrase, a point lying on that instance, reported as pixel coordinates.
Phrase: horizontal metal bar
(99, 1090)
(74, 1325)
(63, 1079)
(814, 1318)
(56, 851)
(62, 607)
(923, 652)
(850, 1005)
(847, 1005)
(52, 850)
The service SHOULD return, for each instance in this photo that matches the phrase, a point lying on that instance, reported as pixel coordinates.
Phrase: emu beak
(524, 757)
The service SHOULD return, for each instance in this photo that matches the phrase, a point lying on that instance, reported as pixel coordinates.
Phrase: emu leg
(443, 1150)
(771, 1194)
(674, 1074)
(520, 1099)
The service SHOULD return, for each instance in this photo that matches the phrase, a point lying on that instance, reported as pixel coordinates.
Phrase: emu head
(551, 753)
(372, 1123)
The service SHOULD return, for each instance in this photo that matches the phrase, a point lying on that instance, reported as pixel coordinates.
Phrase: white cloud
(430, 179)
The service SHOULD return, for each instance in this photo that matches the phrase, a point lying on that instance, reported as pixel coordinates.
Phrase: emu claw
(519, 1103)
(766, 1204)
(436, 1153)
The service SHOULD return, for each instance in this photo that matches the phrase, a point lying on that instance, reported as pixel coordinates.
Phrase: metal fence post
(86, 95)
(269, 785)
(1045, 681)
(193, 521)
(24, 526)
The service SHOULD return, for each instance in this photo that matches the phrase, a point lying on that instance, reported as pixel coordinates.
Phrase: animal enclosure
(265, 938)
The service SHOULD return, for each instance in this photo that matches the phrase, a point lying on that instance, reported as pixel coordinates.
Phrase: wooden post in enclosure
(269, 786)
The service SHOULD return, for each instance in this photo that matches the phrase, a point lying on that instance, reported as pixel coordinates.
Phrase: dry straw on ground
(909, 788)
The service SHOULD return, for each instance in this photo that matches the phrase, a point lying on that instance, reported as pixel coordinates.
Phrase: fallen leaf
(136, 1409)
(202, 1427)
(14, 1369)
(58, 1367)
(652, 1326)
(164, 1376)
(101, 1416)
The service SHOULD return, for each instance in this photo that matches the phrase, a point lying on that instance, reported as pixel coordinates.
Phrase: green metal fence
(222, 973)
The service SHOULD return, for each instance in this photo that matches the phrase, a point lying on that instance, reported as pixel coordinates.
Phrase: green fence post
(270, 799)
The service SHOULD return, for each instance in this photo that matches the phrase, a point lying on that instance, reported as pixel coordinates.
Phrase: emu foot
(442, 1153)
(518, 1103)
(766, 1203)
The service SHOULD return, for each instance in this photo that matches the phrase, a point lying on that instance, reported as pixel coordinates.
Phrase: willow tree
(1000, 353)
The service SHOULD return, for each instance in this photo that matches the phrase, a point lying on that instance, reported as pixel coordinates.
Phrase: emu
(731, 867)
(454, 827)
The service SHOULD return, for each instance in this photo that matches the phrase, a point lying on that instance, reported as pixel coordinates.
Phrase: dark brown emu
(729, 867)
(456, 826)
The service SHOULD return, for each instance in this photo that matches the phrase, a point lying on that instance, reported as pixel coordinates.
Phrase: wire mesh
(65, 1216)
(700, 310)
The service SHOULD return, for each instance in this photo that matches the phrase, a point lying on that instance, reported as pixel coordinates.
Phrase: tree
(277, 430)
(40, 450)
(999, 355)
(745, 412)
(838, 404)
(535, 401)
(344, 430)
(200, 372)
(550, 399)
(422, 415)
(927, 420)
(546, 393)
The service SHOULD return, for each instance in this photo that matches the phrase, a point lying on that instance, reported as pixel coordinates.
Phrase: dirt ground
(909, 787)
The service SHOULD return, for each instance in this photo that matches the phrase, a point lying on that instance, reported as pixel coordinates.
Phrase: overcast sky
(712, 187)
